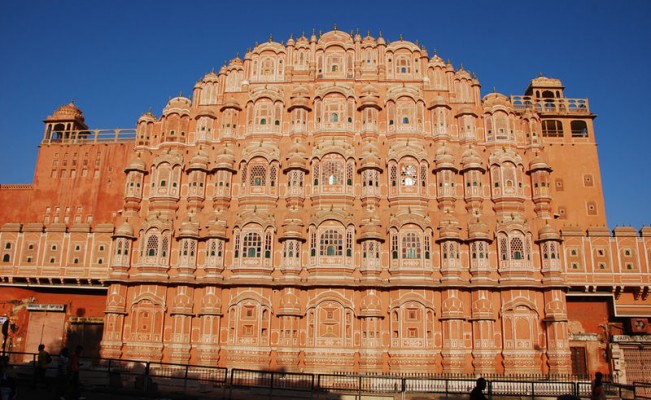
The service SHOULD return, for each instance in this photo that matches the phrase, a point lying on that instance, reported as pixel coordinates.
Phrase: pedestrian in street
(8, 389)
(476, 393)
(62, 373)
(598, 388)
(42, 360)
(73, 373)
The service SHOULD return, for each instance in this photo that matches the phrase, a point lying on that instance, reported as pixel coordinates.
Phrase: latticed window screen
(313, 243)
(349, 173)
(349, 244)
(423, 175)
(316, 172)
(258, 175)
(211, 249)
(503, 248)
(152, 246)
(408, 175)
(267, 245)
(164, 247)
(252, 245)
(333, 173)
(480, 249)
(411, 246)
(394, 246)
(517, 249)
(393, 175)
(331, 243)
(272, 175)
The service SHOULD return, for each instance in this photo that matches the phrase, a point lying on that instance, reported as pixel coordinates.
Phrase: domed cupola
(370, 158)
(444, 159)
(369, 98)
(225, 160)
(65, 123)
(211, 77)
(68, 112)
(371, 306)
(471, 160)
(300, 98)
(452, 308)
(538, 163)
(370, 229)
(188, 229)
(137, 164)
(547, 232)
(178, 105)
(297, 158)
(292, 227)
(146, 118)
(478, 230)
(217, 227)
(449, 228)
(125, 230)
(231, 103)
(438, 101)
(199, 162)
(289, 304)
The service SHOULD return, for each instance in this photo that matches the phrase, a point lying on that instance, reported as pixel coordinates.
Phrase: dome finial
(335, 27)
(271, 38)
(401, 37)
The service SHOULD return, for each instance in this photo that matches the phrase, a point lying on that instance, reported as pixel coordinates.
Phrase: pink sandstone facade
(334, 203)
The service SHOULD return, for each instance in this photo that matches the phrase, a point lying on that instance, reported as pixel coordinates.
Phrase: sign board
(46, 307)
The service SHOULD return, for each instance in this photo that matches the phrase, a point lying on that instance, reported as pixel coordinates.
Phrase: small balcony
(551, 105)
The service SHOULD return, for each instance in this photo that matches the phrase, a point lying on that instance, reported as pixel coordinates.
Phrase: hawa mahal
(332, 203)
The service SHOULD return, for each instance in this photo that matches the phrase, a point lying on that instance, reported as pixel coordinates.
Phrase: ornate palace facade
(334, 203)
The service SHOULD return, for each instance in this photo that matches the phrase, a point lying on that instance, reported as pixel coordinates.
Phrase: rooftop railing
(551, 105)
(91, 136)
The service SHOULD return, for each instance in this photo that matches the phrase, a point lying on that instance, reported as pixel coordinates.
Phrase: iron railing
(147, 376)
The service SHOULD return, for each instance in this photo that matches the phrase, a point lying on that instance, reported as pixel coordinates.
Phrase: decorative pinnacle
(335, 27)
(401, 37)
(271, 38)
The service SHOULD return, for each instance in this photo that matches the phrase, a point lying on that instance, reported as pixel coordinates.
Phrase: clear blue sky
(117, 59)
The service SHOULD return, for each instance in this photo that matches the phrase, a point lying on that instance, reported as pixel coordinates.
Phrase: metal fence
(144, 376)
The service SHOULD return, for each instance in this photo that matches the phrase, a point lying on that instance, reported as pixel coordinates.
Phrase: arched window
(411, 246)
(333, 170)
(252, 245)
(517, 249)
(331, 243)
(408, 175)
(258, 175)
(152, 246)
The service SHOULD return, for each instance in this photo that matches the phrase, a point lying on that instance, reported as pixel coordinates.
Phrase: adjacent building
(333, 203)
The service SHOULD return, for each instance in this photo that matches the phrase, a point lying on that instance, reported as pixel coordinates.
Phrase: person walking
(8, 389)
(62, 373)
(598, 388)
(42, 360)
(476, 393)
(73, 373)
